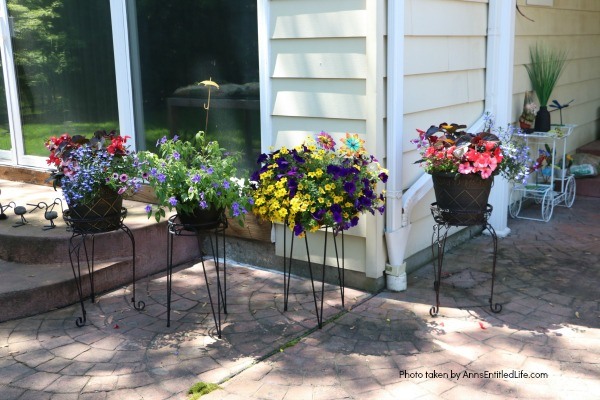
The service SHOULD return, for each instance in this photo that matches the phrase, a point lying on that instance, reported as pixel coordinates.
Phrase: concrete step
(35, 268)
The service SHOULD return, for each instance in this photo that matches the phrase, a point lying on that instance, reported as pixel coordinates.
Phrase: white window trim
(118, 14)
(264, 62)
(10, 84)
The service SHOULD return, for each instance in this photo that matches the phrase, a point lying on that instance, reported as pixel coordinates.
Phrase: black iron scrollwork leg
(75, 243)
(495, 308)
(437, 240)
(140, 305)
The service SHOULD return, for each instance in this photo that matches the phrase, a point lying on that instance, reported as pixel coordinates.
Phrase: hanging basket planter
(462, 198)
(208, 218)
(104, 214)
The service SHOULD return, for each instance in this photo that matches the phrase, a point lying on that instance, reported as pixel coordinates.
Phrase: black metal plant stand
(212, 230)
(78, 247)
(438, 239)
(287, 269)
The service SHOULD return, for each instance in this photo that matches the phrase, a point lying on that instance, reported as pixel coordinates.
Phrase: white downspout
(397, 227)
(498, 100)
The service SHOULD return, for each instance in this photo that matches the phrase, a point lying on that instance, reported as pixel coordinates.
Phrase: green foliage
(201, 388)
(186, 175)
(545, 69)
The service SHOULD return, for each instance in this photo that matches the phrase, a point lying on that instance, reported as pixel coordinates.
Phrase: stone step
(35, 268)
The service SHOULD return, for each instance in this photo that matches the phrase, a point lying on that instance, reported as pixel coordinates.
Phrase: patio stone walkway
(385, 346)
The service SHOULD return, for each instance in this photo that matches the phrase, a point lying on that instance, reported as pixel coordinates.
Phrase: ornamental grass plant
(316, 184)
(546, 67)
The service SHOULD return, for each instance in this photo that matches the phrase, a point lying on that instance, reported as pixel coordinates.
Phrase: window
(64, 64)
(181, 43)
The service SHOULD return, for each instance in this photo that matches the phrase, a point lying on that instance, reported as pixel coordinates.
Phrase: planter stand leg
(287, 268)
(169, 273)
(75, 243)
(140, 305)
(495, 308)
(197, 230)
(438, 240)
(341, 273)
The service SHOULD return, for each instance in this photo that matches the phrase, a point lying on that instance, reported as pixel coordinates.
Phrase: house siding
(444, 81)
(572, 25)
(327, 73)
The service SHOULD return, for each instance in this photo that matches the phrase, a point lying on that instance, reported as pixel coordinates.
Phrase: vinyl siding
(326, 73)
(444, 67)
(573, 25)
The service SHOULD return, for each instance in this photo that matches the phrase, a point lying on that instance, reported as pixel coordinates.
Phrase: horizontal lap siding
(319, 71)
(319, 67)
(444, 66)
(573, 25)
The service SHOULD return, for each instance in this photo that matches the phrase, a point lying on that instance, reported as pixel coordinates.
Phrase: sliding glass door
(76, 66)
(63, 62)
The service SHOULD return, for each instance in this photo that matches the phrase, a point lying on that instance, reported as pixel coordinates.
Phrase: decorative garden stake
(208, 83)
(557, 106)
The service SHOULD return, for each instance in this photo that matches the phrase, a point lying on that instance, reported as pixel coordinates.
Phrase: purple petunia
(298, 229)
(148, 208)
(350, 188)
(172, 201)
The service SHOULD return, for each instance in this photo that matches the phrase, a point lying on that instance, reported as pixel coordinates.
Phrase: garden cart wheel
(547, 205)
(570, 191)
(516, 200)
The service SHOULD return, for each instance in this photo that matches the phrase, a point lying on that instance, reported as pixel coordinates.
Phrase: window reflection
(184, 42)
(65, 68)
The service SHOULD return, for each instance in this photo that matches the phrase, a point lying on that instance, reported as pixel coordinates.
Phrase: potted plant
(315, 185)
(463, 166)
(197, 179)
(544, 164)
(545, 69)
(94, 175)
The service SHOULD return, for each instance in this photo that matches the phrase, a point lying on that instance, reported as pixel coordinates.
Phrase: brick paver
(383, 346)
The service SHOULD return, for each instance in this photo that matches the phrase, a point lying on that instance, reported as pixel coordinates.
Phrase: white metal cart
(553, 188)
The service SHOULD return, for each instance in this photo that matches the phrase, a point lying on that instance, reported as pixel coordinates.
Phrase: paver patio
(384, 346)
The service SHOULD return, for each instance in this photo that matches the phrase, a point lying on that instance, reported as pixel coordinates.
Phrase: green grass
(228, 127)
(201, 388)
(35, 135)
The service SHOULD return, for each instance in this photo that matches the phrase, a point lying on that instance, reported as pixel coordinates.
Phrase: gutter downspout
(498, 100)
(397, 225)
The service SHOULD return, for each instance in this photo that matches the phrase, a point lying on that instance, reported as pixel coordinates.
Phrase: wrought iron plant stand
(444, 219)
(90, 227)
(287, 269)
(210, 229)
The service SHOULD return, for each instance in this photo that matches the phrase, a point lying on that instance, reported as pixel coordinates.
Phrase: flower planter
(462, 198)
(103, 214)
(208, 218)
